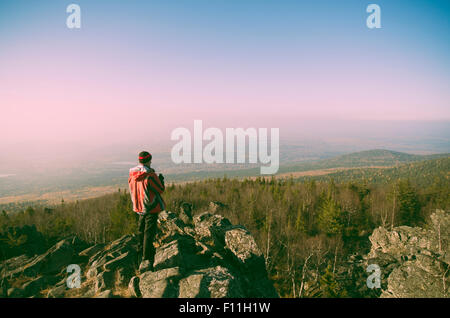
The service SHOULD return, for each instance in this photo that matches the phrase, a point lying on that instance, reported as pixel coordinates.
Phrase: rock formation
(205, 257)
(414, 262)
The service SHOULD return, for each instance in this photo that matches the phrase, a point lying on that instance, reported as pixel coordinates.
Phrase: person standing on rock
(146, 189)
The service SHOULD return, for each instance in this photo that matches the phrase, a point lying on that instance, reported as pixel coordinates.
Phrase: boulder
(417, 279)
(215, 282)
(210, 229)
(413, 260)
(118, 255)
(177, 253)
(243, 248)
(162, 283)
(402, 241)
(170, 228)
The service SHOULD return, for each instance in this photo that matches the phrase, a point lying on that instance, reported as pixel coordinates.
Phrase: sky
(143, 68)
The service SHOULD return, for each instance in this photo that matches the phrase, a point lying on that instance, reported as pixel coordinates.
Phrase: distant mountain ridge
(424, 172)
(367, 158)
(382, 157)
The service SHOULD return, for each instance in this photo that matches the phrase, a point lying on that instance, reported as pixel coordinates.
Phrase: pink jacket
(146, 190)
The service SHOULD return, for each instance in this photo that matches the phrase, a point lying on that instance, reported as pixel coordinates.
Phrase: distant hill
(377, 157)
(423, 172)
(369, 158)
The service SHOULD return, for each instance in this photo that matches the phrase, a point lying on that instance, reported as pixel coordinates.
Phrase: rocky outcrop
(201, 256)
(414, 262)
(24, 276)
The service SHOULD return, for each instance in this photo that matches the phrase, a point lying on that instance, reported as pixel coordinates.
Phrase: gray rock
(413, 260)
(124, 247)
(170, 228)
(244, 249)
(210, 228)
(215, 282)
(114, 264)
(178, 253)
(413, 280)
(401, 241)
(163, 283)
(119, 262)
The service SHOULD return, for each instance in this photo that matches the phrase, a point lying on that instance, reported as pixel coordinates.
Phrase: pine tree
(330, 217)
(409, 205)
(123, 219)
(300, 223)
(329, 286)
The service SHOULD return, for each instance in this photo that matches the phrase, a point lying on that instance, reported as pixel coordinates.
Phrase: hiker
(145, 190)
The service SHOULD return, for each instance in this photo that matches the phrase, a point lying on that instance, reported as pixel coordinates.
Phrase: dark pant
(146, 235)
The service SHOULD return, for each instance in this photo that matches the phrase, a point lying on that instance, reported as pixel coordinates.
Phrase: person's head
(145, 158)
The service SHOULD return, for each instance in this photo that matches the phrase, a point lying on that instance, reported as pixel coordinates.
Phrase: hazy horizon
(319, 137)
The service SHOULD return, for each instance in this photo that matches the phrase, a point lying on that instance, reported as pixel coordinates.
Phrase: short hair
(144, 157)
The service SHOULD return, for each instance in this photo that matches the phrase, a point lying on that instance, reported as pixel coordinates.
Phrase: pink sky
(110, 82)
